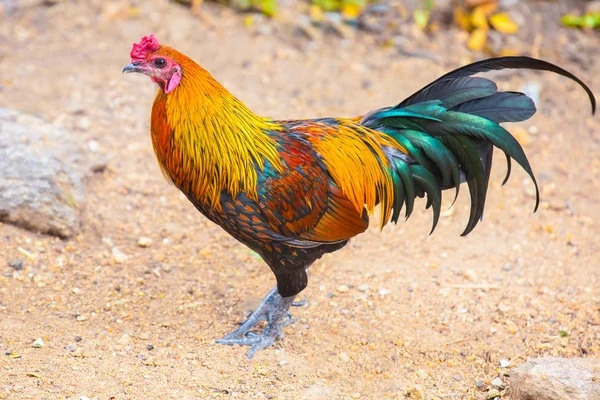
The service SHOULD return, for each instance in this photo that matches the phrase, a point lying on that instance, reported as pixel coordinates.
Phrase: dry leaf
(475, 3)
(421, 18)
(350, 11)
(462, 18)
(502, 23)
(479, 17)
(477, 39)
(316, 13)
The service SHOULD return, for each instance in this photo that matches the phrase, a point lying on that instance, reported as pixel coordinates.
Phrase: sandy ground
(391, 311)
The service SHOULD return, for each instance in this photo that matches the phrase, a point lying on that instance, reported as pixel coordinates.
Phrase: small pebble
(364, 287)
(38, 343)
(93, 146)
(150, 346)
(124, 339)
(83, 123)
(16, 264)
(497, 382)
(470, 275)
(144, 242)
(118, 255)
(504, 363)
(344, 357)
(384, 292)
(81, 318)
(422, 374)
(493, 393)
(78, 339)
(415, 393)
(479, 384)
(343, 289)
(84, 398)
(70, 348)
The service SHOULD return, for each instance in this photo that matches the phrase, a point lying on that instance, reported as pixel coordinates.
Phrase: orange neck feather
(206, 140)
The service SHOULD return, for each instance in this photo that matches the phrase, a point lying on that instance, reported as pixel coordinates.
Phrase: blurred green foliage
(267, 7)
(340, 5)
(590, 20)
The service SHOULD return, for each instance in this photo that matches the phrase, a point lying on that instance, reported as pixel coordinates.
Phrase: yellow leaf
(502, 23)
(350, 11)
(421, 18)
(316, 14)
(249, 21)
(479, 17)
(487, 8)
(388, 44)
(477, 39)
(462, 19)
(475, 3)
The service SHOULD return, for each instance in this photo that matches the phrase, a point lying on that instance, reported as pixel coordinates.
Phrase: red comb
(146, 45)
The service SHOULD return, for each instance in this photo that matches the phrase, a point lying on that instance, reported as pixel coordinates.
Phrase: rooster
(295, 190)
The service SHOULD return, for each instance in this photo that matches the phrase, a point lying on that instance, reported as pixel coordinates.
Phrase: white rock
(470, 275)
(38, 343)
(498, 383)
(124, 339)
(144, 241)
(93, 146)
(342, 288)
(556, 379)
(41, 175)
(118, 255)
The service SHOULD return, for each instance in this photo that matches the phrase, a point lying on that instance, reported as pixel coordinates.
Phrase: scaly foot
(275, 310)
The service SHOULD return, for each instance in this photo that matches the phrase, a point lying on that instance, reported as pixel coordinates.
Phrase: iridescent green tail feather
(449, 129)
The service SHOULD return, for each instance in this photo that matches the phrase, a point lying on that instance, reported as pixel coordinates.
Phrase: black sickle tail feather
(449, 129)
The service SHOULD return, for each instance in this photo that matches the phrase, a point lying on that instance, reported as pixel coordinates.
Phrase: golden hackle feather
(210, 141)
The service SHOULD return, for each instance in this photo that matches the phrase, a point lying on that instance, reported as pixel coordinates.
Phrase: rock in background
(556, 379)
(41, 175)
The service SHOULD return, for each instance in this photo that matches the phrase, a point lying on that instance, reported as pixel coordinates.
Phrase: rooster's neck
(207, 141)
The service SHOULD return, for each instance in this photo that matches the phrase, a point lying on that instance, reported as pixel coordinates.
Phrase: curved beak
(133, 67)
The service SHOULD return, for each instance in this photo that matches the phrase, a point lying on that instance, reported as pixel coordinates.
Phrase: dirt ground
(390, 312)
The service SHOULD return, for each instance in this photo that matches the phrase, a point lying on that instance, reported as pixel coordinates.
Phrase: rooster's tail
(450, 128)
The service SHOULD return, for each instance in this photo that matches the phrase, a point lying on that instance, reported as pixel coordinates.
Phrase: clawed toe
(300, 303)
(274, 310)
(249, 339)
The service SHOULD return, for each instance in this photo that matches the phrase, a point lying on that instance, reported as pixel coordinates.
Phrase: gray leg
(275, 310)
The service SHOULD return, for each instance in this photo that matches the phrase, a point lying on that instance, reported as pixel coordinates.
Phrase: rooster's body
(295, 190)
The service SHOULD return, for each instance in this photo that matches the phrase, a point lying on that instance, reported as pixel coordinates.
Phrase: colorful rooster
(295, 190)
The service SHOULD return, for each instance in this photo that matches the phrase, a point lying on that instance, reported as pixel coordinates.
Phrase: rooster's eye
(160, 63)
